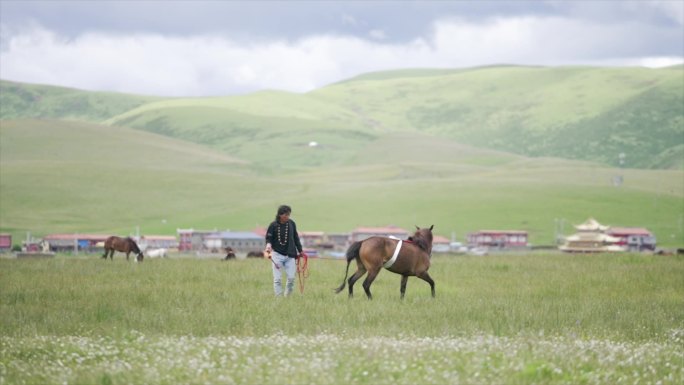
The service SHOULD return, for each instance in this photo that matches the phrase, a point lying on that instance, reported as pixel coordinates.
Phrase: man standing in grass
(284, 247)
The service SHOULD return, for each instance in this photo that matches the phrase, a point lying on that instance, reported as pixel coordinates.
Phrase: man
(282, 243)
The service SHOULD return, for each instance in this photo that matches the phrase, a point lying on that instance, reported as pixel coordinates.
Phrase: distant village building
(633, 238)
(191, 239)
(591, 242)
(240, 241)
(590, 237)
(440, 244)
(498, 239)
(339, 241)
(594, 237)
(75, 242)
(313, 239)
(317, 239)
(246, 241)
(158, 242)
(5, 242)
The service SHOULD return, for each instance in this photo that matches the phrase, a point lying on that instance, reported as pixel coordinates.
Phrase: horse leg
(127, 254)
(404, 279)
(105, 254)
(426, 277)
(360, 271)
(369, 280)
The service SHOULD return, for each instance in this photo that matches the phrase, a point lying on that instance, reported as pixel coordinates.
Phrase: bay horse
(124, 245)
(410, 258)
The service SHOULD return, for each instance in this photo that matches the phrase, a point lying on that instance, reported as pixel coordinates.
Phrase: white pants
(280, 263)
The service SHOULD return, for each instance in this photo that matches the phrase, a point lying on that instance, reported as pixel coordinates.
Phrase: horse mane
(134, 246)
(419, 241)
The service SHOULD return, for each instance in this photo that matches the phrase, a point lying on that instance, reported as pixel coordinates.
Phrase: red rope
(302, 270)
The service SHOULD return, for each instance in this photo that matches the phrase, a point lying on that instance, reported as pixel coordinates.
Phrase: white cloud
(216, 65)
(659, 62)
(542, 41)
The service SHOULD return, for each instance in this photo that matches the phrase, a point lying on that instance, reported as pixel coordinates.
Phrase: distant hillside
(67, 177)
(20, 100)
(574, 112)
(581, 113)
(272, 130)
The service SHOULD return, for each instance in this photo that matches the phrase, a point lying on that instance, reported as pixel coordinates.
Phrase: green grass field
(537, 318)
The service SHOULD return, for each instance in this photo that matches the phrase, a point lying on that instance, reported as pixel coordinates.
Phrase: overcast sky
(207, 48)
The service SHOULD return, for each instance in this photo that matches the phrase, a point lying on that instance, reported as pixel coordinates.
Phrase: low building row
(216, 241)
(591, 236)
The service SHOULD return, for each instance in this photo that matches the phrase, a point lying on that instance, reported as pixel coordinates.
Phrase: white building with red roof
(633, 238)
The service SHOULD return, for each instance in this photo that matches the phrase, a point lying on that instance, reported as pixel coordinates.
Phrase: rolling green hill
(574, 112)
(20, 100)
(58, 176)
(581, 113)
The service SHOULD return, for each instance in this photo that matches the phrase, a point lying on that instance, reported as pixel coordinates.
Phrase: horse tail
(352, 253)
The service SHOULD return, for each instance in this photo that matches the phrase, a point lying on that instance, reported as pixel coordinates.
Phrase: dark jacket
(291, 246)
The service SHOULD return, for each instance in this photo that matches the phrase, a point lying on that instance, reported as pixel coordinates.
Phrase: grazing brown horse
(412, 258)
(124, 245)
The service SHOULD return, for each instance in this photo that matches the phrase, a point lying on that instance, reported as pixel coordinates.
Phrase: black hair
(283, 209)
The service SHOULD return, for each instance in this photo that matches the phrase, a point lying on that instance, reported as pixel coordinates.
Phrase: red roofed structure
(440, 244)
(5, 242)
(499, 239)
(633, 238)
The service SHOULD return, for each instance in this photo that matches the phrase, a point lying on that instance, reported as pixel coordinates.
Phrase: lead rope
(269, 255)
(302, 270)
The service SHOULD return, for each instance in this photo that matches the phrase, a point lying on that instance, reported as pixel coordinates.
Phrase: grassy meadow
(526, 318)
(511, 148)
